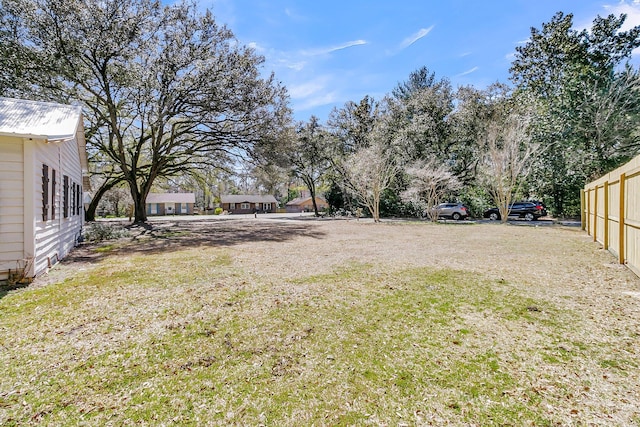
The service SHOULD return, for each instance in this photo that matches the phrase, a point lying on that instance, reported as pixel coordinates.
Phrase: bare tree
(507, 159)
(116, 200)
(430, 182)
(368, 173)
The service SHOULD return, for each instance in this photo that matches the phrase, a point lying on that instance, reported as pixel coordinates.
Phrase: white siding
(32, 135)
(54, 238)
(11, 203)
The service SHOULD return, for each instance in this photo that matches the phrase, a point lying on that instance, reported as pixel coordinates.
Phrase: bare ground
(558, 265)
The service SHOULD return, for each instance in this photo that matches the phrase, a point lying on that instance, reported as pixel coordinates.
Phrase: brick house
(248, 203)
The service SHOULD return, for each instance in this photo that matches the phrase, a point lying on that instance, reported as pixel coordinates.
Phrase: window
(232, 206)
(266, 206)
(184, 208)
(53, 194)
(65, 196)
(154, 208)
(79, 199)
(45, 192)
(73, 198)
(245, 206)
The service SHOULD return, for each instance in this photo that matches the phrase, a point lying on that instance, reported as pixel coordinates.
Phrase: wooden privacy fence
(611, 213)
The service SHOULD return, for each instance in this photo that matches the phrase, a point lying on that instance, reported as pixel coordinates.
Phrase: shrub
(98, 232)
(218, 211)
(476, 199)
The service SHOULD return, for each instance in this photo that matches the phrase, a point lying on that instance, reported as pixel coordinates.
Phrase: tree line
(170, 96)
(569, 115)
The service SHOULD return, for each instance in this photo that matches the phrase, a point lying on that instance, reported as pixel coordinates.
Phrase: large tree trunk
(139, 197)
(90, 214)
(315, 205)
(312, 191)
(140, 208)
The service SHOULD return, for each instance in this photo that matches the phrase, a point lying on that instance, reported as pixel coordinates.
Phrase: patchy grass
(230, 336)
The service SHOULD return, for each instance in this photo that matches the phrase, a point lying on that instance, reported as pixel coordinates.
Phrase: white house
(170, 203)
(43, 168)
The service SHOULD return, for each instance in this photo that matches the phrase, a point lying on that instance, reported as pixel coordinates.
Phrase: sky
(330, 52)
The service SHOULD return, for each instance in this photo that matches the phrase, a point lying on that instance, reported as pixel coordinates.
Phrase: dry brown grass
(327, 322)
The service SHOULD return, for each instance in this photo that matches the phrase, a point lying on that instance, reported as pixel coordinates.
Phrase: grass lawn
(276, 323)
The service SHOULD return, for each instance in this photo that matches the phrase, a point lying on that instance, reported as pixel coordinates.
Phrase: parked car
(455, 211)
(530, 211)
(542, 205)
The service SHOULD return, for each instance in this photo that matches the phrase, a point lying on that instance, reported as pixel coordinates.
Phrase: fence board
(611, 213)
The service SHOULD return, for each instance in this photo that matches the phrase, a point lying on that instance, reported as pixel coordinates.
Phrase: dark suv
(530, 211)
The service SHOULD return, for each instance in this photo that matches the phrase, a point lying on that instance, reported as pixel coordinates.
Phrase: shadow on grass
(5, 288)
(166, 236)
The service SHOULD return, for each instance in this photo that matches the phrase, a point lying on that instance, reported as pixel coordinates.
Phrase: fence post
(588, 212)
(583, 209)
(621, 249)
(605, 238)
(595, 214)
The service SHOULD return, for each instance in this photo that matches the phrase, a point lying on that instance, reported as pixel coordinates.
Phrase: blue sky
(329, 52)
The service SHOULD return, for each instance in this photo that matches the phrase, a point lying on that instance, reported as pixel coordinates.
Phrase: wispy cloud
(320, 91)
(629, 8)
(298, 60)
(294, 16)
(327, 50)
(290, 64)
(463, 54)
(415, 37)
(256, 47)
(304, 90)
(317, 101)
(464, 73)
(347, 45)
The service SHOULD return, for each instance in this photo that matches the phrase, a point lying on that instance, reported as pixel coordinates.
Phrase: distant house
(43, 171)
(305, 204)
(246, 203)
(170, 203)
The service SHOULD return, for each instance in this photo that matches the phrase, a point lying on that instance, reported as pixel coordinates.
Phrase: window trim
(45, 192)
(65, 196)
(53, 193)
(79, 199)
(72, 203)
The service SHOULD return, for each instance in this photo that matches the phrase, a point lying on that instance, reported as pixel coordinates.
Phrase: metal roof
(171, 198)
(247, 198)
(21, 117)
